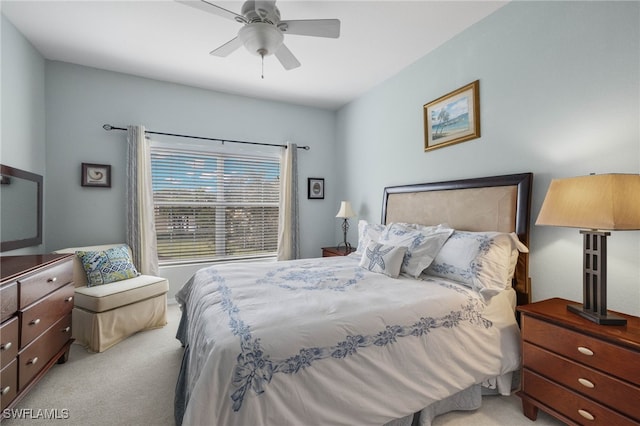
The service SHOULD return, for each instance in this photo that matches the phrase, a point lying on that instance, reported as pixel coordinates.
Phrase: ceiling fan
(263, 31)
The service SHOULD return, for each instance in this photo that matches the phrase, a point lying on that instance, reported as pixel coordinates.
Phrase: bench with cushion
(106, 313)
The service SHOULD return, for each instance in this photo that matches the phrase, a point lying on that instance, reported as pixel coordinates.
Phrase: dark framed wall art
(315, 188)
(96, 175)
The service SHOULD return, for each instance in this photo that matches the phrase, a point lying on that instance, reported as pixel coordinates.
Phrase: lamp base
(608, 319)
(346, 245)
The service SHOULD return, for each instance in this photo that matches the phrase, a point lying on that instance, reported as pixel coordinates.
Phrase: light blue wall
(559, 89)
(22, 143)
(559, 96)
(80, 100)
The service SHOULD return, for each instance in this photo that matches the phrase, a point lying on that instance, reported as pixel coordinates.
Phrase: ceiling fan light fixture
(261, 39)
(263, 31)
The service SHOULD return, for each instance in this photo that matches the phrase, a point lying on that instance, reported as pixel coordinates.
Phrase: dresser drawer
(570, 404)
(44, 282)
(610, 391)
(40, 316)
(8, 383)
(9, 332)
(8, 300)
(32, 358)
(613, 359)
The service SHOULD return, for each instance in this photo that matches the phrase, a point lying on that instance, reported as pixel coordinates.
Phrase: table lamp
(345, 213)
(598, 203)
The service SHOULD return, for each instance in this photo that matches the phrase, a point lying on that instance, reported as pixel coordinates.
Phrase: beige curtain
(288, 245)
(141, 231)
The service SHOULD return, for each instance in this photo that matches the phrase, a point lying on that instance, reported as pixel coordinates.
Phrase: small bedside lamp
(595, 202)
(345, 213)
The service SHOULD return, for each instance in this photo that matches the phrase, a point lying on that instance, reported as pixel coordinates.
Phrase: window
(211, 206)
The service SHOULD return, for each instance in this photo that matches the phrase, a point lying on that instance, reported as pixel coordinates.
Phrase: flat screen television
(20, 208)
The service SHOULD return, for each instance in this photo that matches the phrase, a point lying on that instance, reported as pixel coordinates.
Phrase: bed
(373, 338)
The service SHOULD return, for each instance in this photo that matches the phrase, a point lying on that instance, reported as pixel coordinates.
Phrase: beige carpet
(133, 384)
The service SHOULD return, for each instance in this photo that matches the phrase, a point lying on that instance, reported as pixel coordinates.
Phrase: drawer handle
(586, 383)
(66, 330)
(5, 390)
(35, 321)
(52, 280)
(587, 415)
(68, 299)
(585, 351)
(6, 346)
(32, 361)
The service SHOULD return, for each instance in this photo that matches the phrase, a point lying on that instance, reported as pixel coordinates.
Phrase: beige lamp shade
(607, 202)
(345, 210)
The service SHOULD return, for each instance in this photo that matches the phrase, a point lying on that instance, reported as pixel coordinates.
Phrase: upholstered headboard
(497, 203)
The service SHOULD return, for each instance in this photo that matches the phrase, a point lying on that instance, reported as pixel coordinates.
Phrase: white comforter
(325, 342)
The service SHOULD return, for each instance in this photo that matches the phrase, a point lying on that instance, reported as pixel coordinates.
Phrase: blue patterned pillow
(484, 261)
(104, 267)
(368, 232)
(383, 259)
(423, 244)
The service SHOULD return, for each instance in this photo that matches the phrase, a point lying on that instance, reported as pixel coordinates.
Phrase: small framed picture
(453, 118)
(97, 175)
(315, 188)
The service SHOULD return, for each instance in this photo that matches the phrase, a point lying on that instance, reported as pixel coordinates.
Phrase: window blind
(212, 206)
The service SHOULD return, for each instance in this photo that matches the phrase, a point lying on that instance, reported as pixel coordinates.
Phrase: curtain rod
(108, 127)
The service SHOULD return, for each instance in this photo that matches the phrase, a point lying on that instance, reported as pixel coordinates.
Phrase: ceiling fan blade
(227, 48)
(286, 58)
(312, 27)
(212, 8)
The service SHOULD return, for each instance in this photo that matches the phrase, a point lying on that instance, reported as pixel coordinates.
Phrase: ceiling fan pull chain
(262, 73)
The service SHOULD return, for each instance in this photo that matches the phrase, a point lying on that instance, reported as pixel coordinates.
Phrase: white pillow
(368, 232)
(383, 259)
(423, 244)
(485, 261)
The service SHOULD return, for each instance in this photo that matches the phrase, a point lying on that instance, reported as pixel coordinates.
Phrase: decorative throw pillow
(383, 259)
(368, 232)
(103, 267)
(485, 261)
(423, 244)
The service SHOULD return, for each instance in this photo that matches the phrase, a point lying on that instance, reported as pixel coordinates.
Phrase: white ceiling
(166, 40)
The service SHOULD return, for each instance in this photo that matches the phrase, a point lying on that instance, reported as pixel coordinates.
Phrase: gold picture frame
(452, 118)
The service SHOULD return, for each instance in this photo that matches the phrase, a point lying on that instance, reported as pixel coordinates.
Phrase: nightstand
(336, 251)
(576, 370)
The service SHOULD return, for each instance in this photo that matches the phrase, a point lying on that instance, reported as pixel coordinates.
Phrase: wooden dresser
(36, 294)
(580, 372)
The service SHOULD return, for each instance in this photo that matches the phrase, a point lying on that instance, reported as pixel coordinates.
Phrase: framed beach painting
(453, 118)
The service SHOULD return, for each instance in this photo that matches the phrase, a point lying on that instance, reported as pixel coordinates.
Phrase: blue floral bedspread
(323, 341)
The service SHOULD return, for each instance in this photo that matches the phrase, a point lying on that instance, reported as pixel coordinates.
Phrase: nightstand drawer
(609, 391)
(571, 405)
(336, 251)
(613, 359)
